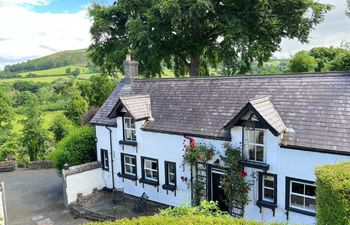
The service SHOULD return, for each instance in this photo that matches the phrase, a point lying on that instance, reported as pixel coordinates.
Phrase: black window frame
(261, 202)
(143, 178)
(126, 115)
(123, 174)
(167, 185)
(288, 207)
(104, 158)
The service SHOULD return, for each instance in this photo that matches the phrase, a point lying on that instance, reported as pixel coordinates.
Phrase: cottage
(286, 125)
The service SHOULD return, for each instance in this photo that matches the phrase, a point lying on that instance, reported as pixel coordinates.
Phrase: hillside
(59, 59)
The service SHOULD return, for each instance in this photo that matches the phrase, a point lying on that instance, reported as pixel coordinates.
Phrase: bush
(60, 127)
(77, 148)
(333, 194)
(76, 108)
(181, 220)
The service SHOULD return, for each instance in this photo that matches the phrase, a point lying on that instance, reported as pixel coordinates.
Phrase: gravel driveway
(35, 195)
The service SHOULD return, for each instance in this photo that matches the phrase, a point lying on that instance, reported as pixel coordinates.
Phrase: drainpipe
(111, 147)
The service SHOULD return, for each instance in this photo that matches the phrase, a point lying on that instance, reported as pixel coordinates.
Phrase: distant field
(56, 71)
(44, 79)
(48, 117)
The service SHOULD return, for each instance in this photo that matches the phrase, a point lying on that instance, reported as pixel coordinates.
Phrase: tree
(76, 148)
(348, 10)
(324, 55)
(76, 108)
(60, 127)
(340, 63)
(192, 35)
(76, 72)
(34, 137)
(68, 71)
(302, 62)
(6, 111)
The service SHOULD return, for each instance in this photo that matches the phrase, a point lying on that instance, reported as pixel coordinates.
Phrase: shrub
(60, 127)
(77, 148)
(76, 108)
(181, 220)
(204, 208)
(333, 194)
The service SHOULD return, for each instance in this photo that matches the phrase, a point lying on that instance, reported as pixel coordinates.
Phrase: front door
(217, 192)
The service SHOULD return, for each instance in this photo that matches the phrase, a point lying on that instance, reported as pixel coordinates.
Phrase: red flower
(245, 190)
(244, 174)
(192, 142)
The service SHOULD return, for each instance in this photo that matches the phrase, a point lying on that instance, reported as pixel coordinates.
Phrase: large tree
(302, 62)
(191, 35)
(348, 10)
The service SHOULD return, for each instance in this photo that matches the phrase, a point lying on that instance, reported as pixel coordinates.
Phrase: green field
(48, 117)
(56, 71)
(45, 79)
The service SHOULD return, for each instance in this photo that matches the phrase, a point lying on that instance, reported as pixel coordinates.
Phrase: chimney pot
(131, 70)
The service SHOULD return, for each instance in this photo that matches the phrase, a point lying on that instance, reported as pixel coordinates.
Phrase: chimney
(131, 69)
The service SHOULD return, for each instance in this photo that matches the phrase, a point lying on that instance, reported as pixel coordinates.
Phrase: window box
(127, 176)
(169, 187)
(150, 182)
(256, 165)
(301, 196)
(130, 143)
(265, 204)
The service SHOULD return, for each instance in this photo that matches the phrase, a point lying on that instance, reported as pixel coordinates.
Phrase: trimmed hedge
(183, 220)
(333, 194)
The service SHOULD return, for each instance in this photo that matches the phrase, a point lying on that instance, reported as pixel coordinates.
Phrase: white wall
(83, 182)
(283, 162)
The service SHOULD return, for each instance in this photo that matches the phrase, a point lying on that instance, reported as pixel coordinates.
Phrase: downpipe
(112, 160)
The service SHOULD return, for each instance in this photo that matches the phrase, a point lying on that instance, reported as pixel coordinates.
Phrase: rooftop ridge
(251, 76)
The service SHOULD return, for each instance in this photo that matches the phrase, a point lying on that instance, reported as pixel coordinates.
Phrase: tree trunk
(195, 65)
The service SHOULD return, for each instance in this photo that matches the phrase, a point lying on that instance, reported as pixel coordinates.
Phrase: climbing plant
(195, 153)
(234, 184)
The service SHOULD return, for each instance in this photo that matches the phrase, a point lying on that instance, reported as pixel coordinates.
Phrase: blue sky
(35, 28)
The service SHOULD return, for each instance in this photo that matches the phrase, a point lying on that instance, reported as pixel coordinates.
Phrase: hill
(59, 59)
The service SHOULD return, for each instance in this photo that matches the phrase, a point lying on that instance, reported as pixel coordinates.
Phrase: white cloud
(331, 32)
(24, 2)
(26, 34)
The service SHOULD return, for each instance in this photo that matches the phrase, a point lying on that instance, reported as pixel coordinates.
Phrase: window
(268, 189)
(129, 129)
(104, 159)
(129, 169)
(170, 173)
(150, 169)
(301, 196)
(254, 144)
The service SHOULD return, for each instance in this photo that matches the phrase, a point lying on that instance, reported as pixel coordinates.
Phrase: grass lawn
(56, 71)
(48, 117)
(44, 79)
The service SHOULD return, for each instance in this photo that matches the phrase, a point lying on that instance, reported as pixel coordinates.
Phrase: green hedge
(333, 194)
(182, 220)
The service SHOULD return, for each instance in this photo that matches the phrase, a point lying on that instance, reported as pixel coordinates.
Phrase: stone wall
(44, 164)
(82, 180)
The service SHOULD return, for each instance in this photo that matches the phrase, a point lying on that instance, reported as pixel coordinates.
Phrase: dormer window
(254, 146)
(129, 129)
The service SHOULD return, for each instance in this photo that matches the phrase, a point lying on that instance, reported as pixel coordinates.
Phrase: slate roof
(265, 110)
(316, 106)
(139, 106)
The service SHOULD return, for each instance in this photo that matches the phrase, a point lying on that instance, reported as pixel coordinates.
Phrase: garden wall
(3, 215)
(82, 180)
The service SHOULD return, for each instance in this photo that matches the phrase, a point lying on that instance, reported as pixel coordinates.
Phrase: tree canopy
(191, 36)
(302, 62)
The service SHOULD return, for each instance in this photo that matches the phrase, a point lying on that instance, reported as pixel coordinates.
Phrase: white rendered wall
(165, 147)
(285, 163)
(83, 183)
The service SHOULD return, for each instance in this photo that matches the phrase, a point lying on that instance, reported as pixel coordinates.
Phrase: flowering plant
(194, 152)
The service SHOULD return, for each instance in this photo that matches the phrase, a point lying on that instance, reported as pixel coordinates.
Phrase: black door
(217, 193)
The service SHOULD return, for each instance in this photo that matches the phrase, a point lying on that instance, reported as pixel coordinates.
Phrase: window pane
(259, 137)
(132, 123)
(133, 160)
(268, 181)
(127, 123)
(155, 174)
(172, 179)
(148, 164)
(148, 173)
(133, 135)
(268, 194)
(298, 188)
(154, 165)
(171, 167)
(251, 151)
(259, 153)
(310, 204)
(127, 159)
(250, 136)
(297, 201)
(310, 190)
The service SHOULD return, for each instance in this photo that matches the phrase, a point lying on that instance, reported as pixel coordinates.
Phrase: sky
(35, 28)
